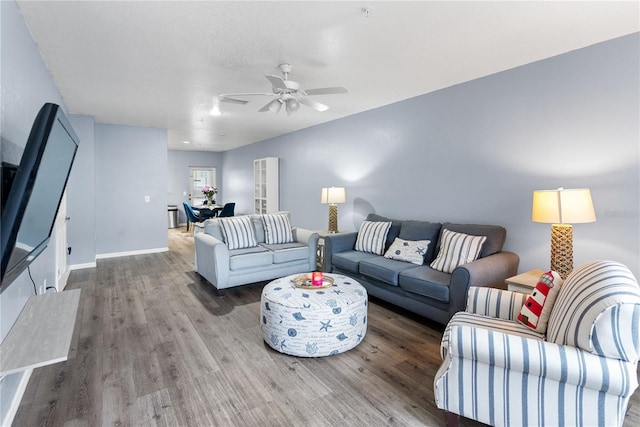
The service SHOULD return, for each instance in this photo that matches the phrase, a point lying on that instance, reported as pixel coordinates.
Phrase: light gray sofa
(225, 268)
(419, 288)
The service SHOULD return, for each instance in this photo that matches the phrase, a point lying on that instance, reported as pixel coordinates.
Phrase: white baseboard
(83, 266)
(141, 252)
(17, 397)
(61, 283)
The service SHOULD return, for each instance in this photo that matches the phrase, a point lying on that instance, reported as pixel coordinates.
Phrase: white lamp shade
(275, 106)
(292, 106)
(333, 195)
(571, 206)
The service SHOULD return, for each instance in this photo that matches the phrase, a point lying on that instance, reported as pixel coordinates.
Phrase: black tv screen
(38, 185)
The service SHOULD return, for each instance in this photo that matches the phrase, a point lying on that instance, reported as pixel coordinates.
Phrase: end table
(320, 253)
(524, 282)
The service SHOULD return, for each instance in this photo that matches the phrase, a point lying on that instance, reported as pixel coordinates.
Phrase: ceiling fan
(285, 92)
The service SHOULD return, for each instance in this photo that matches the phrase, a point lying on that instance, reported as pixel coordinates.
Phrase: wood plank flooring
(155, 346)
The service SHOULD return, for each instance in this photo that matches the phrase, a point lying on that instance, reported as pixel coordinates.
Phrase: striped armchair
(582, 372)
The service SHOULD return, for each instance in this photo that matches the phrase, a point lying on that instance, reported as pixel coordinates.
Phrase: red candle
(316, 278)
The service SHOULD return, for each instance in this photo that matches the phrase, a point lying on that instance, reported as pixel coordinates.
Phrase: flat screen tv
(34, 195)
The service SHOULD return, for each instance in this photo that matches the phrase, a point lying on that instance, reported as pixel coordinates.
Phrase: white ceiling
(160, 64)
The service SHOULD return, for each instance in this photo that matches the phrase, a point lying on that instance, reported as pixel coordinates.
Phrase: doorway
(200, 177)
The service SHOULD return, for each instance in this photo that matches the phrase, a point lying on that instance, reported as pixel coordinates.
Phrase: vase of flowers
(209, 193)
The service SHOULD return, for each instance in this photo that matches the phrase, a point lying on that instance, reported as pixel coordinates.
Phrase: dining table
(206, 211)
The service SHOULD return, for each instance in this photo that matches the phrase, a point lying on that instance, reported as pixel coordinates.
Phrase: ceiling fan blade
(233, 100)
(274, 106)
(277, 82)
(326, 91)
(314, 104)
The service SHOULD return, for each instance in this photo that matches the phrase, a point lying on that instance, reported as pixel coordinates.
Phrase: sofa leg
(219, 292)
(451, 419)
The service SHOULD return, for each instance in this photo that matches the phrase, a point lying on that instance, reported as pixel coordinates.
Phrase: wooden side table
(320, 253)
(524, 282)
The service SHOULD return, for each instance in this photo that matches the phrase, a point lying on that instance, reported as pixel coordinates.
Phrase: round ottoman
(313, 322)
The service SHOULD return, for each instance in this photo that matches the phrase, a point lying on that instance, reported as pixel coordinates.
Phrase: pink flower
(209, 191)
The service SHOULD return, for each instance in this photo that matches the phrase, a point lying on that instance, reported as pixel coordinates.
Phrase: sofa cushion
(427, 282)
(394, 231)
(212, 227)
(371, 237)
(457, 249)
(408, 250)
(496, 236)
(258, 227)
(384, 269)
(286, 252)
(240, 259)
(422, 230)
(277, 228)
(350, 260)
(238, 232)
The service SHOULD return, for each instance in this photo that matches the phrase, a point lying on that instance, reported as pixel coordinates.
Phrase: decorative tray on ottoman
(304, 281)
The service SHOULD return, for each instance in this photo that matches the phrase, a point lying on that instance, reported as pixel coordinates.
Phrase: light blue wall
(25, 86)
(81, 196)
(130, 163)
(475, 152)
(178, 175)
(470, 153)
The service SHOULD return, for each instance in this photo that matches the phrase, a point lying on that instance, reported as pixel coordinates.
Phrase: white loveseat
(582, 372)
(225, 268)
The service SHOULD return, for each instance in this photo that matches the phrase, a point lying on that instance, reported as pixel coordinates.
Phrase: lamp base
(562, 249)
(333, 218)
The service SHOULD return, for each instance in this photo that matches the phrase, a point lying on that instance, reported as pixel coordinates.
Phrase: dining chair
(227, 210)
(192, 216)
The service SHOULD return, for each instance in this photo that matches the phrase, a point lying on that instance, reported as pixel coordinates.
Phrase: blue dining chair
(192, 216)
(227, 210)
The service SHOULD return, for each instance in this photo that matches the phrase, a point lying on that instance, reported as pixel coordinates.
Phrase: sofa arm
(561, 363)
(310, 239)
(489, 271)
(496, 303)
(212, 260)
(335, 243)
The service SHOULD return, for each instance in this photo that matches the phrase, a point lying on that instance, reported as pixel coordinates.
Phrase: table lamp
(561, 208)
(332, 196)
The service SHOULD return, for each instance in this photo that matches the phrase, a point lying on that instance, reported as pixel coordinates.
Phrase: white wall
(25, 85)
(475, 152)
(130, 165)
(81, 197)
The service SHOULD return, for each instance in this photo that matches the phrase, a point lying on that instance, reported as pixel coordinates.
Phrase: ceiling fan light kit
(286, 91)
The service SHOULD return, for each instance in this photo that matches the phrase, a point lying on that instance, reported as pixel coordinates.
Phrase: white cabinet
(265, 174)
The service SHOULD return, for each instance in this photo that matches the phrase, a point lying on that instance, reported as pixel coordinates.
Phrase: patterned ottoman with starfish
(308, 322)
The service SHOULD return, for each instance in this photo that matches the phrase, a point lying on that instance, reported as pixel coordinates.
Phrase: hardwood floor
(154, 345)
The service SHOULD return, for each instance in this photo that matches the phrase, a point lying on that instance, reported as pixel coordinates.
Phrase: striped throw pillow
(457, 249)
(277, 229)
(238, 232)
(372, 236)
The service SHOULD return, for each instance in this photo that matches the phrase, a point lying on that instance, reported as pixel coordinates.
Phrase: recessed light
(186, 142)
